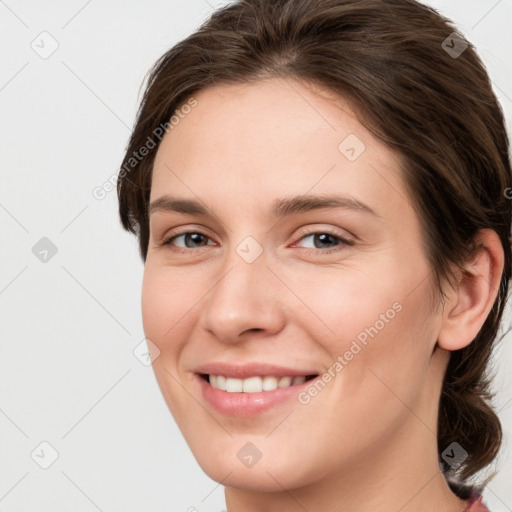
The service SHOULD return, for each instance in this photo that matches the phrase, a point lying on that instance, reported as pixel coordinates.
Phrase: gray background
(70, 324)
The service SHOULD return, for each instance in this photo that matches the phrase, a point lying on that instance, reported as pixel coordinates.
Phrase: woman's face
(273, 282)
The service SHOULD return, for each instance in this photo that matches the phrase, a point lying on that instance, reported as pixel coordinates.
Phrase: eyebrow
(280, 207)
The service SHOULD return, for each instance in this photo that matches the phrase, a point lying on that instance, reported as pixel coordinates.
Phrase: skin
(368, 440)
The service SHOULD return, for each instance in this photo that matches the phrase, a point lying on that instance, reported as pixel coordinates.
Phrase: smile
(251, 389)
(254, 384)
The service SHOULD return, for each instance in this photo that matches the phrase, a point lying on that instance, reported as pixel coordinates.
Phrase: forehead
(270, 136)
(267, 114)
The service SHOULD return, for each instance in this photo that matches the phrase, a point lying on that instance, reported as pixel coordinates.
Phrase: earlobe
(474, 293)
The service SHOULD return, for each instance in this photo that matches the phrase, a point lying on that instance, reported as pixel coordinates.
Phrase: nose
(244, 300)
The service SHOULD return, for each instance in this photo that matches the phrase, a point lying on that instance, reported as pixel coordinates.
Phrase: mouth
(250, 390)
(254, 384)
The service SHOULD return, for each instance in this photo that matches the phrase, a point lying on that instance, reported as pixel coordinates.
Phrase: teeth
(253, 384)
(269, 383)
(221, 381)
(284, 382)
(234, 385)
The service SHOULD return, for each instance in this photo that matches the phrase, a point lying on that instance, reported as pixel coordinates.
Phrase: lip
(251, 370)
(243, 405)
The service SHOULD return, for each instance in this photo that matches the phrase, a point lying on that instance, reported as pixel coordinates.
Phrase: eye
(318, 242)
(324, 242)
(188, 240)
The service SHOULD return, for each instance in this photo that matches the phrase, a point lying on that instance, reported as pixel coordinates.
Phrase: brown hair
(422, 90)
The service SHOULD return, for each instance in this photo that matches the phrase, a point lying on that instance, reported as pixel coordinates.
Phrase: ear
(474, 293)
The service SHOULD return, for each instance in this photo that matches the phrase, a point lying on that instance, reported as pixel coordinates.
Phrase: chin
(271, 473)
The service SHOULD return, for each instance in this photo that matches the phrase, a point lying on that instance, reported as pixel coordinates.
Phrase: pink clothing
(473, 495)
(476, 504)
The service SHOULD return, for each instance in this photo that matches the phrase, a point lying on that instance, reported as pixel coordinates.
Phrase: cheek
(340, 303)
(168, 316)
(155, 307)
(167, 305)
(375, 319)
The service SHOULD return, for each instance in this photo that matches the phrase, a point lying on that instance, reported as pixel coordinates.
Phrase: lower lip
(244, 405)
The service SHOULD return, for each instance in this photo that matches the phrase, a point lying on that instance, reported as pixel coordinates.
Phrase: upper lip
(242, 371)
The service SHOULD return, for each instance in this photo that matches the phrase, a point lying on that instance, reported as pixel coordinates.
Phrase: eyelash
(338, 247)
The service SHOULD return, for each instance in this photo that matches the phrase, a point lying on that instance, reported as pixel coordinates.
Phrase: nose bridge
(242, 297)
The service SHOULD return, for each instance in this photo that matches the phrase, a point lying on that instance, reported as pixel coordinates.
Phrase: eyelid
(303, 232)
(178, 231)
(344, 241)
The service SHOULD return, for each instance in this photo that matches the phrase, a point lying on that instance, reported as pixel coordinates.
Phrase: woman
(319, 189)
